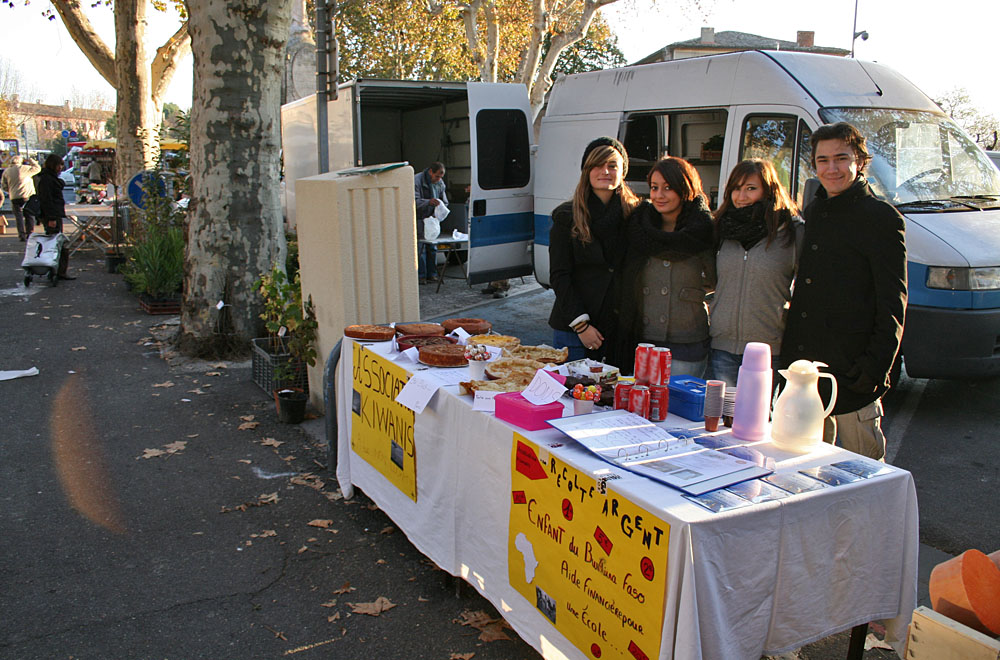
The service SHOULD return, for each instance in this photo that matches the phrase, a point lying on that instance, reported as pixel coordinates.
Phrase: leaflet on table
(638, 445)
(424, 382)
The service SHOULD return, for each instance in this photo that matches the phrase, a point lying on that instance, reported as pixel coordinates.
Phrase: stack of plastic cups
(753, 404)
(715, 394)
(728, 405)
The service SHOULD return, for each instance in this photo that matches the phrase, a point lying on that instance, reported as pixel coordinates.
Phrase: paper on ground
(11, 375)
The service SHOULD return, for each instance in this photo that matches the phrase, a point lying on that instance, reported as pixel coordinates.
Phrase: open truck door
(501, 202)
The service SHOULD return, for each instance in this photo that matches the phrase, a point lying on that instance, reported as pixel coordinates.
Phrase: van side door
(778, 134)
(501, 205)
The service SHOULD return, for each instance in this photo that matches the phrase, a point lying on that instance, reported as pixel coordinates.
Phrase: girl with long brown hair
(757, 234)
(586, 252)
(668, 268)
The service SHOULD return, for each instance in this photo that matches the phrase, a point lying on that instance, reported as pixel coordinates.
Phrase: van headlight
(963, 279)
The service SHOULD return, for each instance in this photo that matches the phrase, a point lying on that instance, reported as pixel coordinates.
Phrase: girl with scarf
(669, 268)
(586, 251)
(758, 240)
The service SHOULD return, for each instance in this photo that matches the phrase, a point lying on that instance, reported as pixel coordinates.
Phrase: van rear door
(501, 222)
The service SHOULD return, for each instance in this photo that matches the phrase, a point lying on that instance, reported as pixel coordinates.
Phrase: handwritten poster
(381, 429)
(592, 562)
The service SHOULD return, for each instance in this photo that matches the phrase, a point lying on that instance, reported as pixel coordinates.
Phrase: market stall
(587, 560)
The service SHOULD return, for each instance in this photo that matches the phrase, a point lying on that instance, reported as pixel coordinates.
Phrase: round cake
(443, 355)
(419, 329)
(472, 326)
(370, 332)
(541, 353)
(409, 341)
(508, 367)
(503, 341)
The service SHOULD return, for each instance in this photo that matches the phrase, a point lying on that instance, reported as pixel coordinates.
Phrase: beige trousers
(859, 431)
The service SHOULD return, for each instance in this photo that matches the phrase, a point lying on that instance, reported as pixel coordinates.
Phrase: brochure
(794, 482)
(638, 445)
(863, 467)
(718, 501)
(758, 491)
(830, 475)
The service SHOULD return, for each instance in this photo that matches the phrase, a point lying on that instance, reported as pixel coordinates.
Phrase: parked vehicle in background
(715, 111)
(995, 157)
(68, 176)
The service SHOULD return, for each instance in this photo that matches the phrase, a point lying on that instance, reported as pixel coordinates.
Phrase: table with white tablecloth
(765, 578)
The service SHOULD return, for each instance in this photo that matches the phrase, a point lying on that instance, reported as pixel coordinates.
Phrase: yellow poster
(381, 429)
(589, 560)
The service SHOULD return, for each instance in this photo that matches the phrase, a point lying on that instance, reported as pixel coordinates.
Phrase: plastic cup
(477, 369)
(583, 406)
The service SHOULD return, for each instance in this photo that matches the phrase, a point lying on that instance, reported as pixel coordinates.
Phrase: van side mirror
(809, 191)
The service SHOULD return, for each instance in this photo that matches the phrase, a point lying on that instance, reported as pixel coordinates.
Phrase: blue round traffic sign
(136, 185)
(65, 133)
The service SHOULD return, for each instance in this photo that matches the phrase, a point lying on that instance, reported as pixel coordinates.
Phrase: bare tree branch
(164, 64)
(83, 33)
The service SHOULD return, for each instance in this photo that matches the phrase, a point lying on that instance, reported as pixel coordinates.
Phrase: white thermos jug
(797, 419)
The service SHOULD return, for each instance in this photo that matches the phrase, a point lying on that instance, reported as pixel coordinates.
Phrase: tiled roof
(45, 110)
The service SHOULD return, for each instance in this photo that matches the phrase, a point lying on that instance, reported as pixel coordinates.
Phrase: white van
(715, 111)
(480, 131)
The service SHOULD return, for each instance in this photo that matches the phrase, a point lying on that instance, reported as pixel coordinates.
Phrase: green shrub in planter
(156, 263)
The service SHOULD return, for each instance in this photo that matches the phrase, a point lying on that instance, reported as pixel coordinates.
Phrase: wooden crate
(933, 636)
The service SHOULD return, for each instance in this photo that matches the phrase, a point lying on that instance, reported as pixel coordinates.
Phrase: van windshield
(920, 157)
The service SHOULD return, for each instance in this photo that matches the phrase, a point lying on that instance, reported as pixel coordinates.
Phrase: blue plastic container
(687, 397)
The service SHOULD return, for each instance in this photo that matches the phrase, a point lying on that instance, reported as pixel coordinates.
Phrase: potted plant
(281, 358)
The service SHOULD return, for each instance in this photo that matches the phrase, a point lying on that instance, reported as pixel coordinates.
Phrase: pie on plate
(369, 332)
(511, 367)
(515, 383)
(409, 341)
(419, 329)
(443, 355)
(472, 326)
(541, 354)
(503, 341)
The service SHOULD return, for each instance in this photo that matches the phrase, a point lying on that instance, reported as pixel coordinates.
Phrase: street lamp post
(863, 34)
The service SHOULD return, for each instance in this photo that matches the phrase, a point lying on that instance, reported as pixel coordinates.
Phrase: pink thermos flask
(753, 393)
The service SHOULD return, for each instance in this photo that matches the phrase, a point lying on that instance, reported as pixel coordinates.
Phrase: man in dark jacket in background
(850, 291)
(428, 194)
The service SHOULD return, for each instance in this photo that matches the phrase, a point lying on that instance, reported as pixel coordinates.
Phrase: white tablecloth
(762, 579)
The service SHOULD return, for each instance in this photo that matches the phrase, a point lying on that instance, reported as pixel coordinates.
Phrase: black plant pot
(114, 260)
(291, 405)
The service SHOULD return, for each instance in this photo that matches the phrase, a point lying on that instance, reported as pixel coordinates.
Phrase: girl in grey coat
(758, 236)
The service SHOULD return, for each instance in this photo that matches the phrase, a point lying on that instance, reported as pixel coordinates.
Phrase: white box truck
(715, 111)
(480, 131)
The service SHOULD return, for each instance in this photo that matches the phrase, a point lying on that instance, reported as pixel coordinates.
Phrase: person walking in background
(50, 197)
(94, 174)
(668, 270)
(758, 238)
(586, 252)
(850, 293)
(17, 182)
(428, 194)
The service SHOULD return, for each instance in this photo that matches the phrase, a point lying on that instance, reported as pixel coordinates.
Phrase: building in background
(38, 123)
(712, 43)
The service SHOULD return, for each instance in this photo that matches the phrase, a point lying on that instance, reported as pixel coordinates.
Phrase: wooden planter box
(265, 363)
(159, 306)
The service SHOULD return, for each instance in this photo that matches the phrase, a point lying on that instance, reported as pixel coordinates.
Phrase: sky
(936, 45)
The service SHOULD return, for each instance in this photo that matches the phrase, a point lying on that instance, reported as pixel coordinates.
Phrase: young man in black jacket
(850, 291)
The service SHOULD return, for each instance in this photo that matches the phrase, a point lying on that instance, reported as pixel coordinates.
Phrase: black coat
(850, 293)
(49, 188)
(584, 275)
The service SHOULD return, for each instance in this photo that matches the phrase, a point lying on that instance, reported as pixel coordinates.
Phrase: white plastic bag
(432, 228)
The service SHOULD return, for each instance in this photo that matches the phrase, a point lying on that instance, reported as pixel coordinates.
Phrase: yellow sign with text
(591, 561)
(381, 429)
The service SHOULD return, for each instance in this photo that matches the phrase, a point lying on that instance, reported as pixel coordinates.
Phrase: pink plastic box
(514, 408)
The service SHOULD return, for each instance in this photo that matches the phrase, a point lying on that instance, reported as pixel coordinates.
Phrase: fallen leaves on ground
(381, 604)
(218, 365)
(320, 523)
(388, 530)
(490, 629)
(307, 479)
(330, 603)
(248, 426)
(333, 617)
(461, 656)
(346, 588)
(168, 383)
(213, 373)
(271, 442)
(264, 534)
(247, 418)
(263, 500)
(196, 391)
(279, 635)
(152, 453)
(172, 448)
(175, 447)
(78, 348)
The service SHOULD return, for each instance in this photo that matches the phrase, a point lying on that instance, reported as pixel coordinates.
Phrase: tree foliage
(7, 129)
(982, 126)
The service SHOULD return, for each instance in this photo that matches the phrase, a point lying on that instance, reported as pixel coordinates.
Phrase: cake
(503, 341)
(515, 383)
(370, 332)
(508, 367)
(472, 326)
(409, 341)
(419, 329)
(443, 355)
(541, 354)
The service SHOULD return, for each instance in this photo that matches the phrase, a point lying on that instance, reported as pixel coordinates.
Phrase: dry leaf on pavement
(381, 604)
(320, 523)
(271, 442)
(247, 418)
(461, 656)
(388, 530)
(248, 426)
(334, 617)
(168, 383)
(345, 589)
(494, 632)
(175, 447)
(78, 348)
(330, 603)
(196, 391)
(490, 629)
(152, 453)
(213, 373)
(218, 365)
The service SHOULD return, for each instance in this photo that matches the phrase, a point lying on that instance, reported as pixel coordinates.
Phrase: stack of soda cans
(649, 396)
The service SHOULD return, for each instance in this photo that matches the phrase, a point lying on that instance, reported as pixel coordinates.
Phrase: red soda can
(659, 402)
(642, 354)
(622, 389)
(659, 366)
(638, 401)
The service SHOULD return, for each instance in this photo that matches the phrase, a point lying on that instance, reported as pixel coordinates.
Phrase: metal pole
(333, 61)
(322, 86)
(854, 30)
